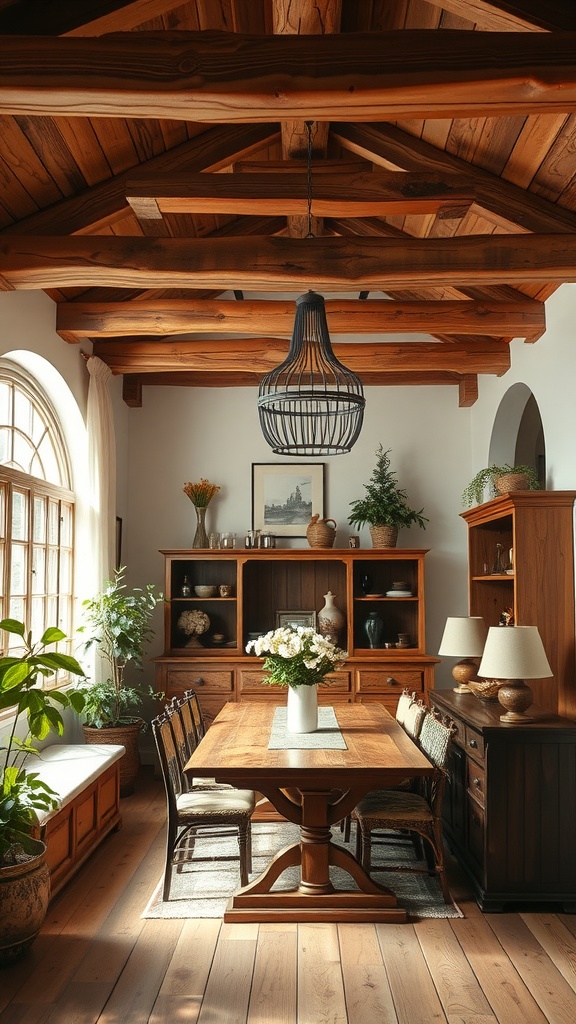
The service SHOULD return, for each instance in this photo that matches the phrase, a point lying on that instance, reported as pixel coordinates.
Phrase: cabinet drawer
(475, 743)
(198, 679)
(252, 681)
(476, 780)
(390, 679)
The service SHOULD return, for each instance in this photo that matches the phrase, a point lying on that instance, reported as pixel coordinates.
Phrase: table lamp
(464, 637)
(513, 654)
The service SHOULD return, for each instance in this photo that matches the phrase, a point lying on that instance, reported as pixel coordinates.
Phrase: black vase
(374, 627)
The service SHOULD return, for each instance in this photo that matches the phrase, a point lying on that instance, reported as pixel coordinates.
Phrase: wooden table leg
(315, 898)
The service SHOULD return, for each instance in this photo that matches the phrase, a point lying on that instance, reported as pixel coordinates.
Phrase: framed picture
(284, 498)
(295, 619)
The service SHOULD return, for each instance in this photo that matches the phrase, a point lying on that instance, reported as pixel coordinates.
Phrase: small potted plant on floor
(499, 480)
(385, 508)
(119, 625)
(24, 875)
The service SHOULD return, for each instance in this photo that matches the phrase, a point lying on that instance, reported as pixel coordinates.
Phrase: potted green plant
(24, 875)
(499, 480)
(119, 625)
(385, 508)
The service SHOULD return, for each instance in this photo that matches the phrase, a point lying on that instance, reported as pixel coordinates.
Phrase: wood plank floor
(96, 960)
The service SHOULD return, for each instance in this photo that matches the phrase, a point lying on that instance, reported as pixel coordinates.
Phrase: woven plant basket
(127, 735)
(511, 482)
(384, 536)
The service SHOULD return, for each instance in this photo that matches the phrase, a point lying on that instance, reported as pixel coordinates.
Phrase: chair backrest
(404, 701)
(188, 722)
(434, 741)
(168, 756)
(414, 718)
(174, 711)
(196, 711)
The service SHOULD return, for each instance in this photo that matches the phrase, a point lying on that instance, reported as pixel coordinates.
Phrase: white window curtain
(102, 468)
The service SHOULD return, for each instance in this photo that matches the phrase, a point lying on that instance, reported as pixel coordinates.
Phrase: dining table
(313, 780)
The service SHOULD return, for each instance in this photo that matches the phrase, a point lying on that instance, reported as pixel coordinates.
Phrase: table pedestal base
(315, 898)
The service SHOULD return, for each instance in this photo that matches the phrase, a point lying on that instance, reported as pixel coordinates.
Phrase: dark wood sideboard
(510, 804)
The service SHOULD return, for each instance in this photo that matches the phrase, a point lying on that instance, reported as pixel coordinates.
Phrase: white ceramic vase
(302, 708)
(331, 620)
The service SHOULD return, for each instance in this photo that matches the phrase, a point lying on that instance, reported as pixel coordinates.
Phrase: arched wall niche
(518, 435)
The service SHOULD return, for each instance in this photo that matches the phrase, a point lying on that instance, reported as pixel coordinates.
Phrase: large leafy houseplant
(385, 503)
(486, 478)
(22, 791)
(118, 621)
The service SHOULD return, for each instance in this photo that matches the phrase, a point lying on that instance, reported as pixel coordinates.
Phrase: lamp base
(463, 672)
(515, 697)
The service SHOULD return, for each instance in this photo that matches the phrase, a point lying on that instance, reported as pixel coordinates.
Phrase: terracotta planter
(511, 482)
(24, 898)
(130, 760)
(384, 536)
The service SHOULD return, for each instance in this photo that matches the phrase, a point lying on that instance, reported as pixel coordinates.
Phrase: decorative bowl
(205, 591)
(485, 689)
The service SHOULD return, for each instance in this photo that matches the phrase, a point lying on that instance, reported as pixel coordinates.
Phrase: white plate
(398, 593)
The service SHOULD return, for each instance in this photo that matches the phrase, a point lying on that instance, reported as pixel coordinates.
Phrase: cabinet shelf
(265, 582)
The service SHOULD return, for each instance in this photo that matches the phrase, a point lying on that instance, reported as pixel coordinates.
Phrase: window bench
(86, 779)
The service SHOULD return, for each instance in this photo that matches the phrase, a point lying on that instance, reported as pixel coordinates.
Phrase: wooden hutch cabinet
(538, 585)
(510, 803)
(266, 581)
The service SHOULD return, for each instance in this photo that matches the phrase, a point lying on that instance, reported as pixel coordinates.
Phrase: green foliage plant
(385, 503)
(486, 478)
(22, 792)
(119, 624)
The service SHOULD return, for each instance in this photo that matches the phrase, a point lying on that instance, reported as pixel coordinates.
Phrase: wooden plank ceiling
(153, 180)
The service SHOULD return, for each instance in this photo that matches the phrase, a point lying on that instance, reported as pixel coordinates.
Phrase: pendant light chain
(311, 404)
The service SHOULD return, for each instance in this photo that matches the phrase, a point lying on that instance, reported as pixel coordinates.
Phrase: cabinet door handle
(199, 681)
(473, 744)
(476, 782)
(391, 681)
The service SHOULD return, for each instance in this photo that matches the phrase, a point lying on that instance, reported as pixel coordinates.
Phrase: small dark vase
(366, 584)
(374, 628)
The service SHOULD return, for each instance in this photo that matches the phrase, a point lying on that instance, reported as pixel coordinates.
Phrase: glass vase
(200, 537)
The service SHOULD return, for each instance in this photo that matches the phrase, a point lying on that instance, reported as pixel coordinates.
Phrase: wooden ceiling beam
(261, 355)
(232, 77)
(279, 264)
(68, 17)
(518, 15)
(103, 205)
(157, 317)
(343, 195)
(390, 147)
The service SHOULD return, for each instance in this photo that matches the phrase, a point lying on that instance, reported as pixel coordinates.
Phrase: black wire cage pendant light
(311, 404)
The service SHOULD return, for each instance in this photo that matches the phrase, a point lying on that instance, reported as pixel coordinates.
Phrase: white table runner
(326, 737)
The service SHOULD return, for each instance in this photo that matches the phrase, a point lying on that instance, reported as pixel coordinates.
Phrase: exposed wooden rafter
(239, 78)
(75, 320)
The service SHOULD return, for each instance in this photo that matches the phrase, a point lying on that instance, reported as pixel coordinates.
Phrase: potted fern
(499, 480)
(385, 507)
(24, 875)
(119, 625)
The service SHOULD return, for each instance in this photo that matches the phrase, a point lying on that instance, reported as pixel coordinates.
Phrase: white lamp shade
(463, 637)
(514, 652)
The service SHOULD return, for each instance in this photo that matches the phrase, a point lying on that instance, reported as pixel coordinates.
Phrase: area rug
(201, 888)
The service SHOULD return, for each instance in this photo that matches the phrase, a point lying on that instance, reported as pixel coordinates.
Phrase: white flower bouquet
(194, 622)
(296, 656)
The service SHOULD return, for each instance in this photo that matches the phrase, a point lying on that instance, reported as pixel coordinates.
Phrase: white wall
(181, 434)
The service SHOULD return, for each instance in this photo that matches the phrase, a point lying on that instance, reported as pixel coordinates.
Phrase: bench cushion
(68, 768)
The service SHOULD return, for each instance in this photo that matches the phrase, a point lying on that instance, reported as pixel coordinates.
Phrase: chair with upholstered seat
(414, 718)
(198, 813)
(384, 814)
(405, 700)
(186, 738)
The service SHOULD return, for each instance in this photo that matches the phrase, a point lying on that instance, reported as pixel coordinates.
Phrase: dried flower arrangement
(201, 494)
(194, 622)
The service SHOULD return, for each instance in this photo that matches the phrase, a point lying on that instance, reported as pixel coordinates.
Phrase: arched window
(36, 509)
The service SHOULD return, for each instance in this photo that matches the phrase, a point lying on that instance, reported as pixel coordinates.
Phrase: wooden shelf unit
(265, 581)
(539, 527)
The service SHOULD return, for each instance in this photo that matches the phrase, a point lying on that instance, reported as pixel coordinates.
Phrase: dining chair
(198, 814)
(383, 814)
(196, 712)
(404, 701)
(414, 718)
(186, 738)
